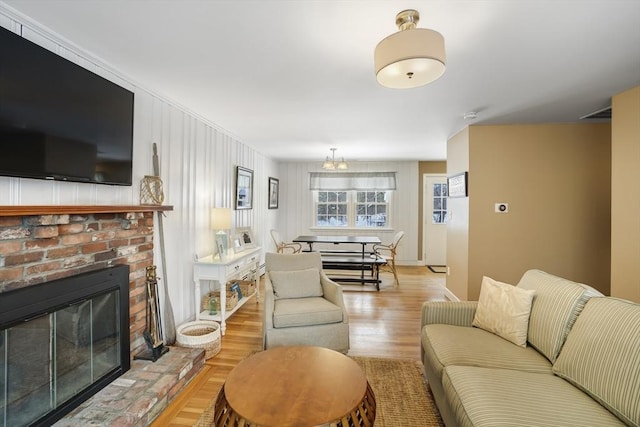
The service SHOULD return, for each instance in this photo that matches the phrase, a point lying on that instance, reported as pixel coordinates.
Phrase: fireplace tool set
(153, 334)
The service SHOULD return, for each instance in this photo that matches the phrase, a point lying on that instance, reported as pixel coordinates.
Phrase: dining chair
(281, 245)
(388, 252)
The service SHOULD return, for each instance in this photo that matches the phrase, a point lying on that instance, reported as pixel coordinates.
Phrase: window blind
(352, 181)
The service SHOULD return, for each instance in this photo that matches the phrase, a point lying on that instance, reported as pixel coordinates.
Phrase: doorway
(434, 226)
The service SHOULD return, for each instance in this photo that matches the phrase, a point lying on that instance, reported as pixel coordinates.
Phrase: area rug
(402, 396)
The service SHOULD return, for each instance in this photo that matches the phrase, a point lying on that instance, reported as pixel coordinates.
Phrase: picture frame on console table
(246, 235)
(457, 185)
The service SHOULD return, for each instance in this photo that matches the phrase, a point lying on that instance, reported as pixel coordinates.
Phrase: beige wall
(458, 221)
(425, 168)
(625, 196)
(556, 180)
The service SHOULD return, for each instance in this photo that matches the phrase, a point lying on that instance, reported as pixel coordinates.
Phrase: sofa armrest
(457, 313)
(269, 298)
(333, 293)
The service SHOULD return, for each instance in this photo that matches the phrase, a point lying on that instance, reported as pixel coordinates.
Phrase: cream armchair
(302, 306)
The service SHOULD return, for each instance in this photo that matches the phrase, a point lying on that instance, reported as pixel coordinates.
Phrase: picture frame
(457, 185)
(236, 288)
(221, 246)
(244, 188)
(237, 243)
(246, 235)
(274, 192)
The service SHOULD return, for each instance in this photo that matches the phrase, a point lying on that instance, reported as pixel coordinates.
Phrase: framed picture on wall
(274, 190)
(457, 185)
(244, 188)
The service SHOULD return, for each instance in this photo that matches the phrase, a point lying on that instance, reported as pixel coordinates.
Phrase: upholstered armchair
(302, 306)
(282, 246)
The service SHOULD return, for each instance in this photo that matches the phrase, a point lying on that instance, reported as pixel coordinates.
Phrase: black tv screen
(60, 121)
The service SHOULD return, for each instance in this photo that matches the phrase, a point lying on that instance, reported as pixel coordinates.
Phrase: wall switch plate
(502, 207)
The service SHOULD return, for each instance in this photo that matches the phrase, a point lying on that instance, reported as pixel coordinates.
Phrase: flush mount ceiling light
(410, 58)
(331, 164)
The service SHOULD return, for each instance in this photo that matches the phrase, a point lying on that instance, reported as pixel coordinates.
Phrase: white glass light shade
(221, 218)
(410, 58)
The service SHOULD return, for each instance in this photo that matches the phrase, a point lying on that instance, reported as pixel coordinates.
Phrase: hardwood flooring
(381, 324)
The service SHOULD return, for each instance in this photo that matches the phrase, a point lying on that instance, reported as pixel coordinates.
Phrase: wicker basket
(200, 334)
(248, 287)
(230, 303)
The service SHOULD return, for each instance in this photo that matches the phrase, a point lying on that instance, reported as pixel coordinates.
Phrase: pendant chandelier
(411, 57)
(332, 164)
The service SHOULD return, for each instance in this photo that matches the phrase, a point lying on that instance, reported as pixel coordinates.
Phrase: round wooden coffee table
(296, 386)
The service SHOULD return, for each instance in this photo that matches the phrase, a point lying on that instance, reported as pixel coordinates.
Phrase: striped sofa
(581, 365)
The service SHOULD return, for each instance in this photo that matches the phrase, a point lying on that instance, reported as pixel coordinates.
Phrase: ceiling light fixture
(331, 164)
(412, 57)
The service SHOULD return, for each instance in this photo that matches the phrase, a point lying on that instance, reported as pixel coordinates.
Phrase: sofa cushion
(504, 310)
(501, 397)
(555, 307)
(304, 312)
(602, 356)
(446, 345)
(296, 283)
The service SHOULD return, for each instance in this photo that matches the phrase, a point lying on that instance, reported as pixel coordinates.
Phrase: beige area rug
(402, 396)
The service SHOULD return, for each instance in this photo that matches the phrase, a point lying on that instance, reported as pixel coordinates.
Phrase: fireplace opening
(60, 343)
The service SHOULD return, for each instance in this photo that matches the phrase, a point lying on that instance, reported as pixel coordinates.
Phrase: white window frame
(351, 211)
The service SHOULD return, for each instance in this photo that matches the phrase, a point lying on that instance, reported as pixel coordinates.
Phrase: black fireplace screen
(52, 359)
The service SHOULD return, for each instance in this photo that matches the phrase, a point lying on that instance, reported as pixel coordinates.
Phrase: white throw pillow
(296, 283)
(504, 310)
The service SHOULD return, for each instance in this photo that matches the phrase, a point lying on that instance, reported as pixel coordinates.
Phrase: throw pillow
(296, 283)
(504, 310)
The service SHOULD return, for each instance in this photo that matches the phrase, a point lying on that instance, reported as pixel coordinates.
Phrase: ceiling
(294, 78)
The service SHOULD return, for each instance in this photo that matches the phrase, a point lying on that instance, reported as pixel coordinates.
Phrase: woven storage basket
(200, 334)
(231, 302)
(248, 287)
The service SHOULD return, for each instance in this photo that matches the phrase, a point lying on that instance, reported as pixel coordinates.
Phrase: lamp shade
(221, 218)
(412, 57)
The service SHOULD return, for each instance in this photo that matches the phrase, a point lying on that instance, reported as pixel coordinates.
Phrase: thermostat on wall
(502, 207)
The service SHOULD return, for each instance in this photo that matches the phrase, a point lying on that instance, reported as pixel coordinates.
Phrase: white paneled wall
(296, 204)
(197, 165)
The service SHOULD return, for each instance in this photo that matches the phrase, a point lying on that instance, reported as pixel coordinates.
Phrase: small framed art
(246, 235)
(457, 185)
(237, 243)
(244, 188)
(274, 190)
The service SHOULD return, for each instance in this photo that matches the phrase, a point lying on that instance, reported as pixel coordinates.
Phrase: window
(331, 209)
(371, 209)
(439, 203)
(360, 209)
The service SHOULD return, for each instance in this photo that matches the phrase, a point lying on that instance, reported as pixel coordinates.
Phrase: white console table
(243, 265)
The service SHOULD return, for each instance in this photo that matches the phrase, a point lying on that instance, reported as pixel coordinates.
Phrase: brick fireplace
(40, 244)
(39, 247)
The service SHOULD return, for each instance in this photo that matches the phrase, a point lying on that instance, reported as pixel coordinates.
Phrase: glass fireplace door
(47, 360)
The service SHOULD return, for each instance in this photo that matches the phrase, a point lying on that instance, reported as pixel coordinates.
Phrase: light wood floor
(381, 324)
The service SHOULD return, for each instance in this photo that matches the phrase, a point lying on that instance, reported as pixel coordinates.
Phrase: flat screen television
(60, 121)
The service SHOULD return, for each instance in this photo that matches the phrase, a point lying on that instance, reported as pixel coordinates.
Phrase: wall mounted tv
(60, 121)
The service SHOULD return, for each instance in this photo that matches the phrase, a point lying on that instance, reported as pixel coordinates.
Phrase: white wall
(296, 204)
(197, 165)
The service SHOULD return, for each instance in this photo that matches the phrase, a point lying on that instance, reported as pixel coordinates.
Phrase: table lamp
(221, 221)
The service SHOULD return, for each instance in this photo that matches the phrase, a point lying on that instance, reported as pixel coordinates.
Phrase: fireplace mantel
(78, 209)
